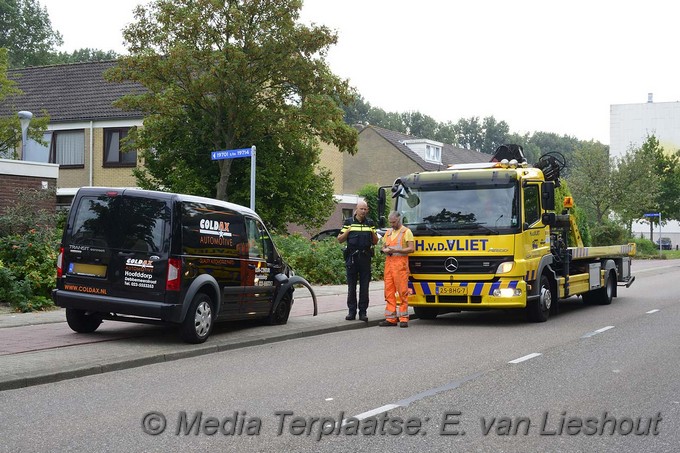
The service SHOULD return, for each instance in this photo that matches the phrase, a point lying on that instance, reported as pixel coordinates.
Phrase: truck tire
(198, 323)
(604, 295)
(82, 322)
(539, 310)
(426, 312)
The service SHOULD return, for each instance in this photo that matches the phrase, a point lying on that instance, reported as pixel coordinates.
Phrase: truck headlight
(507, 292)
(505, 267)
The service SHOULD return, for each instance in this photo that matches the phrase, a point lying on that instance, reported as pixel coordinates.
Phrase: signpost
(234, 154)
(656, 214)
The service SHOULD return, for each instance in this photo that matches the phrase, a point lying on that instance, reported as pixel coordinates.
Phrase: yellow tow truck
(487, 237)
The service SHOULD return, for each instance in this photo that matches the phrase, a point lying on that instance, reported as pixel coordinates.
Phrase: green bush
(321, 263)
(28, 252)
(609, 233)
(645, 247)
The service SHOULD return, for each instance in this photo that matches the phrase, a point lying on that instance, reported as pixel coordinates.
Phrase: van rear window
(120, 222)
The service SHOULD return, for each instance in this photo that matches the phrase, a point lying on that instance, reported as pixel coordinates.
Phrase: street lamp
(25, 119)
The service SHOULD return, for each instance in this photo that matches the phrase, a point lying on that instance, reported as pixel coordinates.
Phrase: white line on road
(595, 332)
(526, 357)
(372, 412)
(652, 311)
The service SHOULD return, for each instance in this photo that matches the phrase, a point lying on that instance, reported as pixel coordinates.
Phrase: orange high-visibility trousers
(396, 282)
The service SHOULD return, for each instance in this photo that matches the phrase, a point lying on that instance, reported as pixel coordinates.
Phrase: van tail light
(174, 274)
(60, 263)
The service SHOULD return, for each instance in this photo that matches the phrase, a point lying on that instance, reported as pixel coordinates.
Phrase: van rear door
(116, 244)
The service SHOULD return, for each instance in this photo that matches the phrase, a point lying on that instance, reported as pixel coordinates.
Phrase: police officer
(359, 233)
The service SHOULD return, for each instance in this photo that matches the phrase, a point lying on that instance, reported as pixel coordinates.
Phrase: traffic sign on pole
(235, 154)
(231, 153)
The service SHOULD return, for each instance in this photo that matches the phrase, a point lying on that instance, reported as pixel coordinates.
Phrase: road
(587, 380)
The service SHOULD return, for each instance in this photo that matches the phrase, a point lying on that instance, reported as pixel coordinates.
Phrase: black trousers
(358, 270)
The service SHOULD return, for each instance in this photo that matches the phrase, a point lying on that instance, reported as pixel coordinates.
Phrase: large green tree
(591, 180)
(26, 31)
(228, 75)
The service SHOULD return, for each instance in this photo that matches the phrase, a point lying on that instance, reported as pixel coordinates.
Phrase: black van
(145, 256)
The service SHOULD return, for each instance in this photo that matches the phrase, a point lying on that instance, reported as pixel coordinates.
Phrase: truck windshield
(483, 209)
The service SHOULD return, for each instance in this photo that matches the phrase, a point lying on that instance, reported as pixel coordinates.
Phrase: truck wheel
(426, 312)
(280, 313)
(82, 322)
(601, 296)
(198, 322)
(539, 310)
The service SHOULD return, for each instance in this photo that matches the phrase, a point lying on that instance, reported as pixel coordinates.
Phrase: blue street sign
(652, 214)
(231, 153)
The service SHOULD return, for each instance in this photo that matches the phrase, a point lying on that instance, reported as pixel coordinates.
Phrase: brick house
(384, 155)
(85, 129)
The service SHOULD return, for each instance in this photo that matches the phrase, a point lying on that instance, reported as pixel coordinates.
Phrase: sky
(549, 66)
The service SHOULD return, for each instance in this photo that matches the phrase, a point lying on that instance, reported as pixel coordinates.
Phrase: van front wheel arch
(198, 322)
(281, 311)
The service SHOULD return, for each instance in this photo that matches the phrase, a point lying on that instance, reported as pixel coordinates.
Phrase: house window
(433, 153)
(113, 155)
(68, 148)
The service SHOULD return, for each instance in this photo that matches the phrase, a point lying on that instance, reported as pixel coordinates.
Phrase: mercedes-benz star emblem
(451, 264)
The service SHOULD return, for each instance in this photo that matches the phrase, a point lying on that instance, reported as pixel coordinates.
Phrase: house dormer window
(433, 153)
(428, 150)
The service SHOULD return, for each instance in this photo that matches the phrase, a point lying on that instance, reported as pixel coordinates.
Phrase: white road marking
(595, 332)
(652, 311)
(372, 412)
(526, 357)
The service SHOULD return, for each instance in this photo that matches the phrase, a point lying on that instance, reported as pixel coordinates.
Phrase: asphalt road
(587, 380)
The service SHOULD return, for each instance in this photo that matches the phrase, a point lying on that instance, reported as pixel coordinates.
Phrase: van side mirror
(548, 196)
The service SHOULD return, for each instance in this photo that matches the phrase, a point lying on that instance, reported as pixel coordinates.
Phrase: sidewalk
(48, 351)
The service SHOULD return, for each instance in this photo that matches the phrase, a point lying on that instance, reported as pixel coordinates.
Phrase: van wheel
(539, 310)
(281, 312)
(198, 322)
(82, 322)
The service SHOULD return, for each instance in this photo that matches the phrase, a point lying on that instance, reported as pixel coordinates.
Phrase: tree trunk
(222, 184)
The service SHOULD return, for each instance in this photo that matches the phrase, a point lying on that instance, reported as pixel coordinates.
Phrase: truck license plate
(452, 290)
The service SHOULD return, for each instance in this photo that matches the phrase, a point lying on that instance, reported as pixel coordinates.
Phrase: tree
(228, 75)
(84, 55)
(26, 31)
(591, 180)
(636, 184)
(10, 127)
(419, 125)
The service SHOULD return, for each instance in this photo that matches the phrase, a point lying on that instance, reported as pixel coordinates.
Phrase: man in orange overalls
(398, 242)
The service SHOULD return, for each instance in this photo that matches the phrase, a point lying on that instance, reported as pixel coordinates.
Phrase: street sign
(652, 214)
(231, 153)
(234, 154)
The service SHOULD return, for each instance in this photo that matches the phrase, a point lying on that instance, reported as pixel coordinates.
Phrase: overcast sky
(551, 66)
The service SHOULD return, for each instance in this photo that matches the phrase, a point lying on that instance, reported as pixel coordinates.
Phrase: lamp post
(25, 119)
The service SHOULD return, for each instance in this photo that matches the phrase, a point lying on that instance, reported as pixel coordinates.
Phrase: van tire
(199, 321)
(82, 322)
(280, 313)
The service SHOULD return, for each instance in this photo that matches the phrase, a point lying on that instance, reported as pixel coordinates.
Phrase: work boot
(363, 317)
(350, 317)
(403, 324)
(387, 324)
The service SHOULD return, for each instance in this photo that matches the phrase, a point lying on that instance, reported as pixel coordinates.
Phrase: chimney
(650, 97)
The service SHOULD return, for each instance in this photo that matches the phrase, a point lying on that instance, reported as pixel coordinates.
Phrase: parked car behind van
(145, 256)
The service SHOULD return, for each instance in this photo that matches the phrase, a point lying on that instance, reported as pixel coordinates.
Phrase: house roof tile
(70, 92)
(450, 154)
